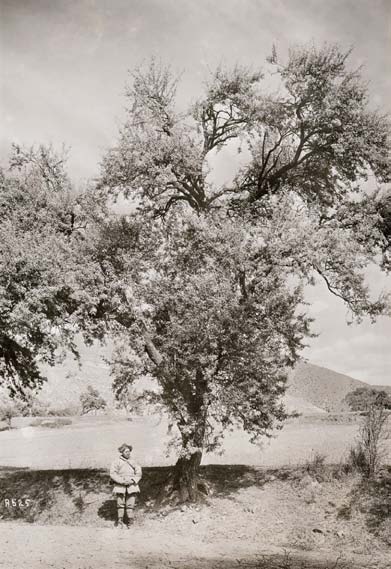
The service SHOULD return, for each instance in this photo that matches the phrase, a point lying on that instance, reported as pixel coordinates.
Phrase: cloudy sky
(64, 64)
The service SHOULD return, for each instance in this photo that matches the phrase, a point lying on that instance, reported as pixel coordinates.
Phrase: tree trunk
(186, 477)
(184, 484)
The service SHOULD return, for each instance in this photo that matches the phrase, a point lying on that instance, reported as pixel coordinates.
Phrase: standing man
(126, 475)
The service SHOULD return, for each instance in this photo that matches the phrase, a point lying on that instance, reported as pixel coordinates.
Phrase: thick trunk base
(184, 484)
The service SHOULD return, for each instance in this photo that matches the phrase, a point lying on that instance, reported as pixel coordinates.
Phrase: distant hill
(322, 387)
(312, 389)
(68, 380)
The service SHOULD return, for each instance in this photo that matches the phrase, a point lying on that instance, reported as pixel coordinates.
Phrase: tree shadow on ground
(227, 479)
(377, 506)
(373, 499)
(42, 487)
(285, 560)
(221, 479)
(45, 488)
(108, 510)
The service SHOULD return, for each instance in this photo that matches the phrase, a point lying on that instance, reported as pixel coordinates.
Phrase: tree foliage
(363, 398)
(9, 410)
(41, 221)
(314, 140)
(314, 134)
(213, 344)
(91, 400)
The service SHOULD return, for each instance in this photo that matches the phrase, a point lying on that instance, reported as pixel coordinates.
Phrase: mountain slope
(302, 406)
(311, 388)
(321, 386)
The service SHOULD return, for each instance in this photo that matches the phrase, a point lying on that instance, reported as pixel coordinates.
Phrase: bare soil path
(54, 547)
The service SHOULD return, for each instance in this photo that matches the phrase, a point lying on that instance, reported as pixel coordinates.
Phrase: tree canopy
(313, 133)
(312, 141)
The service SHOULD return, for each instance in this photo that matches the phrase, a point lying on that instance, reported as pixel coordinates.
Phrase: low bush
(357, 459)
(51, 423)
(69, 411)
(8, 411)
(315, 467)
(38, 409)
(370, 451)
(36, 422)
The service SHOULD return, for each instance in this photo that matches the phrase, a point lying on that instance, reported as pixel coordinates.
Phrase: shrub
(61, 422)
(36, 423)
(68, 411)
(368, 454)
(51, 423)
(316, 466)
(38, 409)
(91, 400)
(373, 433)
(8, 411)
(357, 459)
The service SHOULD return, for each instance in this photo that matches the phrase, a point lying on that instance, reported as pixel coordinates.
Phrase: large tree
(209, 278)
(42, 218)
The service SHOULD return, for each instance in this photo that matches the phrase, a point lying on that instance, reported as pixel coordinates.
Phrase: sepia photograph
(195, 284)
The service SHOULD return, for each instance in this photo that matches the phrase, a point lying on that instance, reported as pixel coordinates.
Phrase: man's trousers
(126, 502)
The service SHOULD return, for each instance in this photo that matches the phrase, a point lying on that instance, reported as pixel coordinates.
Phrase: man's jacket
(126, 475)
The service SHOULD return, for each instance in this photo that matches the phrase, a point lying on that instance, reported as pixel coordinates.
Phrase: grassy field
(91, 442)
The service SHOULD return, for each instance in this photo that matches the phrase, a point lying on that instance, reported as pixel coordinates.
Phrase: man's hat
(124, 446)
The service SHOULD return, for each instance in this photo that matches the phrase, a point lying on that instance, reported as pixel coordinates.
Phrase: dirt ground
(266, 522)
(87, 548)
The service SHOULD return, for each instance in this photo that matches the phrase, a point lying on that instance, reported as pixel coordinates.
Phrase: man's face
(126, 452)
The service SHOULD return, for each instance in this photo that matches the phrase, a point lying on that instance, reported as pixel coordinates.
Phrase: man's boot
(120, 518)
(130, 517)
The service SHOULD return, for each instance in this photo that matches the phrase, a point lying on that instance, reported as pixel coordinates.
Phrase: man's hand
(128, 481)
